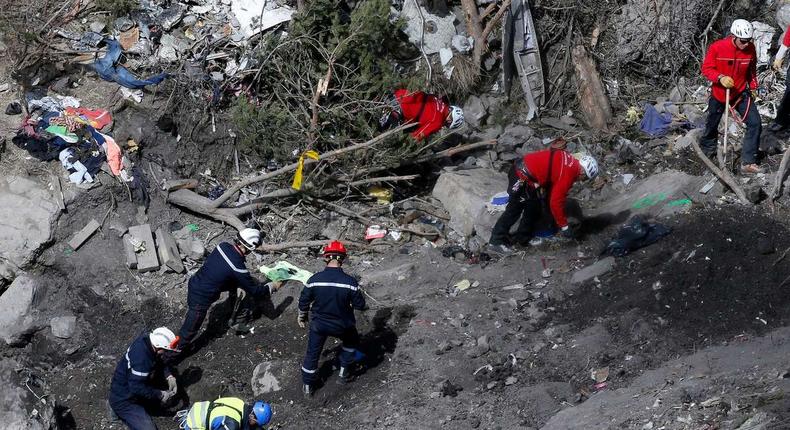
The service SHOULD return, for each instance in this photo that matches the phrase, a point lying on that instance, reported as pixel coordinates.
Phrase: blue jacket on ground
(332, 295)
(224, 270)
(131, 380)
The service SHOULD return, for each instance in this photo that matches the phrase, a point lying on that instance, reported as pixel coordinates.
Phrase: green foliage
(358, 45)
(116, 7)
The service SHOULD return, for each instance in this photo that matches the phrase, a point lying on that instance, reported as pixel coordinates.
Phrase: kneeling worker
(133, 386)
(547, 174)
(331, 297)
(430, 112)
(224, 270)
(227, 413)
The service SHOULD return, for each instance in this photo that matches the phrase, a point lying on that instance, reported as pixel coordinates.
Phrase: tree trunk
(593, 100)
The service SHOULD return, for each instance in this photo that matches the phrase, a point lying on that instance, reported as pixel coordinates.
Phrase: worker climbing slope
(731, 66)
(330, 298)
(430, 112)
(224, 270)
(538, 177)
(134, 387)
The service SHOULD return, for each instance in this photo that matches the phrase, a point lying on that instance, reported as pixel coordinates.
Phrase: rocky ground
(688, 333)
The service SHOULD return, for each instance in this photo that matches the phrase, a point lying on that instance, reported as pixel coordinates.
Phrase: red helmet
(334, 247)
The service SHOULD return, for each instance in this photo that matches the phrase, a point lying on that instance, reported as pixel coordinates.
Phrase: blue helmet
(263, 412)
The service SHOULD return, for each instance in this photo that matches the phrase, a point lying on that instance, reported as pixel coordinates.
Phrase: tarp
(653, 123)
(283, 270)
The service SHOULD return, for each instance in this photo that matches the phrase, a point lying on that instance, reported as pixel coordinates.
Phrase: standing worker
(430, 112)
(782, 120)
(227, 413)
(224, 270)
(331, 297)
(731, 64)
(541, 175)
(133, 386)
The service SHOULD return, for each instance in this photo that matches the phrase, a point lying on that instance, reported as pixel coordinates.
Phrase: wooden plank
(147, 260)
(128, 249)
(168, 250)
(84, 234)
(59, 198)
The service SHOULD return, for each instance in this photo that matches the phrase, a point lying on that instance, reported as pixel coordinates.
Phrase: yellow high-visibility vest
(229, 407)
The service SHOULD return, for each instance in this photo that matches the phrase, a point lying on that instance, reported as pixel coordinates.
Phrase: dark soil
(718, 275)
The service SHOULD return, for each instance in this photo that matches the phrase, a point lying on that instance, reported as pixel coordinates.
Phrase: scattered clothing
(109, 70)
(38, 148)
(654, 123)
(114, 154)
(78, 171)
(96, 118)
(13, 108)
(635, 234)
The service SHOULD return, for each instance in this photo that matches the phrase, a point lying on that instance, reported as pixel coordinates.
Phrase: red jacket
(786, 38)
(433, 114)
(725, 59)
(565, 171)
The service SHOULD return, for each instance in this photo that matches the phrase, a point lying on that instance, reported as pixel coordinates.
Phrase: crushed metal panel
(432, 35)
(526, 55)
(507, 49)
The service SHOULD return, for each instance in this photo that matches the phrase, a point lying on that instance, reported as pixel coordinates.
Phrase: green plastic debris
(283, 270)
(193, 227)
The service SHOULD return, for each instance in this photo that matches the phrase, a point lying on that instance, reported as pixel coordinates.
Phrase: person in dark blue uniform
(133, 386)
(331, 297)
(224, 270)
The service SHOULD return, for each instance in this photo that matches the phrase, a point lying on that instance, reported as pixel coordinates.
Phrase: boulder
(513, 136)
(590, 272)
(464, 195)
(17, 405)
(17, 319)
(267, 376)
(27, 212)
(475, 112)
(663, 194)
(63, 327)
(398, 273)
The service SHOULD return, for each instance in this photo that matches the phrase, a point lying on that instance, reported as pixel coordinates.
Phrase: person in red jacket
(430, 112)
(547, 174)
(731, 63)
(782, 120)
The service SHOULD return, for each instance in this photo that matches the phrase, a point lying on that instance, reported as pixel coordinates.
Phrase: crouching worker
(224, 270)
(539, 176)
(226, 413)
(330, 297)
(134, 386)
(430, 112)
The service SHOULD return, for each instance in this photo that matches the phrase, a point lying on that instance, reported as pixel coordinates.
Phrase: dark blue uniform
(224, 270)
(131, 384)
(331, 296)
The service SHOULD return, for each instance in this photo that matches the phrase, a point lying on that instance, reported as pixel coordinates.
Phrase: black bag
(635, 234)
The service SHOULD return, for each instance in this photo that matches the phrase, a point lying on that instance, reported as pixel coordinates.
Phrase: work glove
(778, 64)
(302, 319)
(167, 395)
(726, 82)
(171, 384)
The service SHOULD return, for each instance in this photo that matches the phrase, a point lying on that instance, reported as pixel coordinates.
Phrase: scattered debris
(84, 234)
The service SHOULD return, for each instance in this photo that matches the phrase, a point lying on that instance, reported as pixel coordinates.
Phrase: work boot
(501, 249)
(344, 376)
(307, 390)
(751, 169)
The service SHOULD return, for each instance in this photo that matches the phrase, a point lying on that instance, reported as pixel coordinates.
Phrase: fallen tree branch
(383, 179)
(292, 167)
(722, 174)
(776, 190)
(712, 18)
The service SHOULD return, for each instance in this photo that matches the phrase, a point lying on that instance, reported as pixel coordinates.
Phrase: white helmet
(742, 29)
(457, 116)
(589, 165)
(249, 238)
(164, 338)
